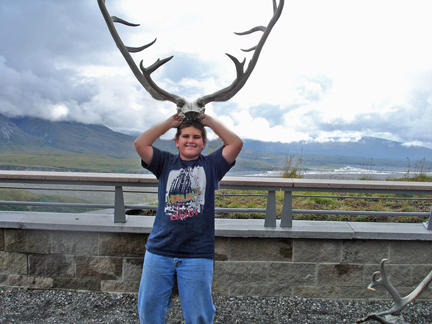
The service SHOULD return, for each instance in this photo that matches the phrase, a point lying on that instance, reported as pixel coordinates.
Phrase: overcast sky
(330, 69)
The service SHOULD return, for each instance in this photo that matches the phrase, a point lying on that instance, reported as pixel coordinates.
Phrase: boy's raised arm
(143, 143)
(233, 143)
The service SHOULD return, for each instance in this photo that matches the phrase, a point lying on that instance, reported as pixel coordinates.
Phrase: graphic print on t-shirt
(185, 193)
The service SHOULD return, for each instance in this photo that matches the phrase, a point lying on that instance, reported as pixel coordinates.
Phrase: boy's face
(190, 143)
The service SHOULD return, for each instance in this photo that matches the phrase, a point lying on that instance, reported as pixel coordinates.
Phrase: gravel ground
(55, 306)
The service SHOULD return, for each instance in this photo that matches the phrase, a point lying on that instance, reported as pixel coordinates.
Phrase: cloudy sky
(330, 70)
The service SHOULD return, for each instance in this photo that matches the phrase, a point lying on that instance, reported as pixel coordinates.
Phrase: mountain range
(34, 136)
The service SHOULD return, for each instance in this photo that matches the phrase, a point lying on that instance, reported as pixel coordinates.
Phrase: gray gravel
(55, 306)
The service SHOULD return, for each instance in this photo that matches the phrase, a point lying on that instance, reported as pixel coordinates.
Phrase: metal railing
(115, 183)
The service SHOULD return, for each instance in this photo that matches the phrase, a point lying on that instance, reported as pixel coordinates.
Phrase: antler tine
(122, 21)
(385, 282)
(144, 78)
(242, 76)
(374, 282)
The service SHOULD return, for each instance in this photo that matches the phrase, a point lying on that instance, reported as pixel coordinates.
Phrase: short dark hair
(192, 123)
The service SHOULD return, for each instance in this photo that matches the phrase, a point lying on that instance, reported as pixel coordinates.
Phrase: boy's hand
(175, 121)
(206, 120)
(144, 142)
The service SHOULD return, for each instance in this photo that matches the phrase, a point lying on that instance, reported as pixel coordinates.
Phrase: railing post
(119, 207)
(270, 217)
(429, 222)
(286, 215)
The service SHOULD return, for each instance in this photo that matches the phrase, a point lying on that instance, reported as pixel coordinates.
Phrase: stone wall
(313, 268)
(71, 260)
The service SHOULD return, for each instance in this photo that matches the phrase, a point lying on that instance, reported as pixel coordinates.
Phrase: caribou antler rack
(185, 108)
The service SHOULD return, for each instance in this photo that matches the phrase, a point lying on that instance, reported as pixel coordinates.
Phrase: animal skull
(190, 110)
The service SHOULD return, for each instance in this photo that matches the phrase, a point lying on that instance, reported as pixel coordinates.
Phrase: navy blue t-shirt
(184, 224)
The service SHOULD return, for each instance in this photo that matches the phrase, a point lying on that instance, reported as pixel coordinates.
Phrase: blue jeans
(194, 279)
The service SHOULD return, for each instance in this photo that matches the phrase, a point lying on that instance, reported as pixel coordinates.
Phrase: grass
(325, 201)
(294, 167)
(421, 171)
(368, 173)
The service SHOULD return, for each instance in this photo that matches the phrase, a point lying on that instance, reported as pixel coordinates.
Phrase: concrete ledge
(391, 231)
(104, 222)
(75, 222)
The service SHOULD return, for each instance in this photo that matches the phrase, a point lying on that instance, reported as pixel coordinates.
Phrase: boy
(181, 244)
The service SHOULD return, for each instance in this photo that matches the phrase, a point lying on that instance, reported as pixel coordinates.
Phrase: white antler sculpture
(189, 110)
(399, 302)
